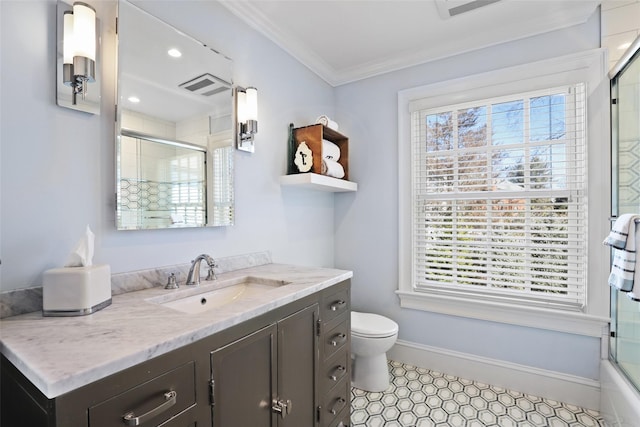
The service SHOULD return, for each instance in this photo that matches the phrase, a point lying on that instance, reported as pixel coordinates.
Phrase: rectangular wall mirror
(175, 127)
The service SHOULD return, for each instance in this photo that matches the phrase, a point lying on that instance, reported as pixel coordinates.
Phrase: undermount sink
(206, 297)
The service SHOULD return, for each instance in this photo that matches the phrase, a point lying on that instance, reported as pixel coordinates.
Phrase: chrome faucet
(193, 278)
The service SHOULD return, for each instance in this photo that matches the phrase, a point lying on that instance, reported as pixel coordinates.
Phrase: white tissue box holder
(76, 291)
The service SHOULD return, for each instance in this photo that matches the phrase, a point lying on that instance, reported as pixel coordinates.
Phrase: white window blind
(499, 198)
(223, 198)
(187, 173)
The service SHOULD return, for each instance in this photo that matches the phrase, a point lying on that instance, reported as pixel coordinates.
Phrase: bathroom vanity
(277, 358)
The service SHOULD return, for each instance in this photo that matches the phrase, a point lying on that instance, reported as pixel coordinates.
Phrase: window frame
(588, 67)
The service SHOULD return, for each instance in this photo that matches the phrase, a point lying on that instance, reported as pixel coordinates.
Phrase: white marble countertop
(60, 354)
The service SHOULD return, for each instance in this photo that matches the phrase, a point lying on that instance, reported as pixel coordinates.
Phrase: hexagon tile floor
(418, 397)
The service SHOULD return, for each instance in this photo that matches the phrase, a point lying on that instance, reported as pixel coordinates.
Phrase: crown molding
(256, 19)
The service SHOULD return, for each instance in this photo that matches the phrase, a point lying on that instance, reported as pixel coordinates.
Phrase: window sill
(521, 315)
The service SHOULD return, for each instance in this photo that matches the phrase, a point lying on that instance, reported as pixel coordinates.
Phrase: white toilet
(372, 336)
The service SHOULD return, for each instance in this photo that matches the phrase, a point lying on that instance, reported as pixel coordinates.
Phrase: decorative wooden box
(313, 135)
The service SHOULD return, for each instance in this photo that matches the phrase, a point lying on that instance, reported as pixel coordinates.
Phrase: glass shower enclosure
(624, 348)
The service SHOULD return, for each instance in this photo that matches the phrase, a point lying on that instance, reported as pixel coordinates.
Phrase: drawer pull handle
(337, 407)
(338, 373)
(337, 305)
(130, 418)
(338, 339)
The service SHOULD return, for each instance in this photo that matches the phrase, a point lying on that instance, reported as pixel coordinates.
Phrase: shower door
(625, 125)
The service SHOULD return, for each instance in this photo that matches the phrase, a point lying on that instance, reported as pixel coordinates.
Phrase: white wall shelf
(314, 181)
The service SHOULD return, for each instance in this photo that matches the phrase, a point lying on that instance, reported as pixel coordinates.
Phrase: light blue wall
(366, 223)
(57, 172)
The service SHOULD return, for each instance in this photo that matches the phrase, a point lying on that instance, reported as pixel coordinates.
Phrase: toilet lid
(372, 325)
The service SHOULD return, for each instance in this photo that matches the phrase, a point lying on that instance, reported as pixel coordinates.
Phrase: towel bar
(613, 218)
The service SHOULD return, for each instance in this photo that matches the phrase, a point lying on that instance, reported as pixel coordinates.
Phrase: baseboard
(583, 392)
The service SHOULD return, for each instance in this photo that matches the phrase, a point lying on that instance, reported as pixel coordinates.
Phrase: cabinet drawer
(334, 370)
(334, 305)
(335, 339)
(151, 403)
(185, 419)
(335, 404)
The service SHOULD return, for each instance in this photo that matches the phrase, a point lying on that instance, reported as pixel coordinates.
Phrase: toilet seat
(372, 325)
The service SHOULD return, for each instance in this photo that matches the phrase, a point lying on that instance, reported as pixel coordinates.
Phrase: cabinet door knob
(337, 373)
(337, 407)
(130, 418)
(337, 305)
(338, 339)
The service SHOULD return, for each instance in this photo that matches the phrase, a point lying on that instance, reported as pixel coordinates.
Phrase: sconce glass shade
(242, 106)
(68, 49)
(252, 103)
(84, 31)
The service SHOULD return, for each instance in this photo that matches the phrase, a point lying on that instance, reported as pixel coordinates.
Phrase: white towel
(332, 168)
(177, 218)
(634, 293)
(617, 238)
(330, 151)
(625, 269)
(325, 120)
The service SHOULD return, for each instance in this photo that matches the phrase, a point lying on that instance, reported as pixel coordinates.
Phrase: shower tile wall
(628, 128)
(147, 124)
(194, 130)
(629, 172)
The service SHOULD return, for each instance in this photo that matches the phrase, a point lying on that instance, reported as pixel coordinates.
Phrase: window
(499, 198)
(499, 231)
(188, 184)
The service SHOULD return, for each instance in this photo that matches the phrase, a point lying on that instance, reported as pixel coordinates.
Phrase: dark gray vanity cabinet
(267, 379)
(289, 367)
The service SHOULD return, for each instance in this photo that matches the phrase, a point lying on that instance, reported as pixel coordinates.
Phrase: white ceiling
(347, 40)
(148, 73)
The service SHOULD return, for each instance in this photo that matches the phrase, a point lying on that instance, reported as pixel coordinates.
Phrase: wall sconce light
(247, 117)
(78, 43)
(79, 49)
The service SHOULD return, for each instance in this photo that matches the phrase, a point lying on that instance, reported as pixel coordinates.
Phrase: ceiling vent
(450, 8)
(206, 85)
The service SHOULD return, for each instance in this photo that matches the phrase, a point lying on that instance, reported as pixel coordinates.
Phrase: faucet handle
(171, 282)
(211, 275)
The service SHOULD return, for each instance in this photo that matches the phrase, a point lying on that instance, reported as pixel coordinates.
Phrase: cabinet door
(243, 386)
(297, 367)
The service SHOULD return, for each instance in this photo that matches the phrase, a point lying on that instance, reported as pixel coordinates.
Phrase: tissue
(82, 254)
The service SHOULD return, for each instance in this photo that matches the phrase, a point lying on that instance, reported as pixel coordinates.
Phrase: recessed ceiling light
(623, 46)
(134, 99)
(175, 53)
